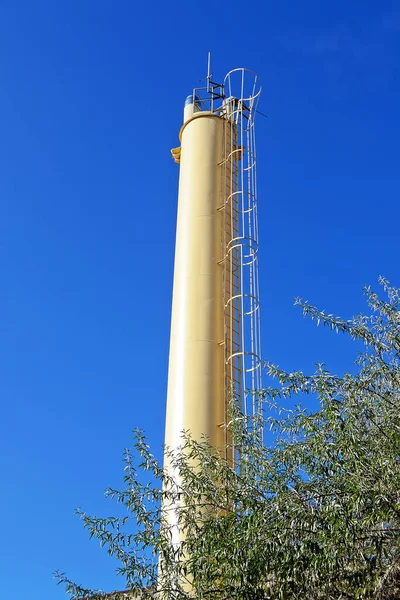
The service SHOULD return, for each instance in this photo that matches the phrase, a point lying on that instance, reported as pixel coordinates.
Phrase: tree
(314, 515)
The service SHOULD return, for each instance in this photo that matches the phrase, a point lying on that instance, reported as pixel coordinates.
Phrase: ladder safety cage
(236, 102)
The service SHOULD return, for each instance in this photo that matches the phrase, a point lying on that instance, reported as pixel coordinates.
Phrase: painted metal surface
(196, 388)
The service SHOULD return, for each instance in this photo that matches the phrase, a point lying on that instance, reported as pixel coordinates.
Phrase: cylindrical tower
(195, 400)
(214, 347)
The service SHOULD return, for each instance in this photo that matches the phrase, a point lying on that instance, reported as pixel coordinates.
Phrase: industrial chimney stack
(215, 328)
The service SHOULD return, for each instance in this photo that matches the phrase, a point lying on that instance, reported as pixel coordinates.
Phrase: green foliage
(316, 515)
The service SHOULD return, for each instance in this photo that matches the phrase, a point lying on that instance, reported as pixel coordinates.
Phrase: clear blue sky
(91, 103)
